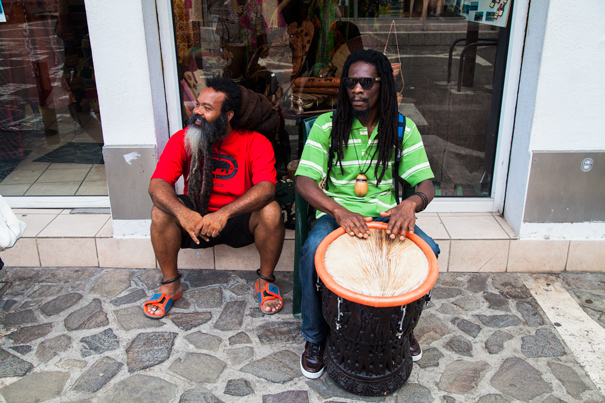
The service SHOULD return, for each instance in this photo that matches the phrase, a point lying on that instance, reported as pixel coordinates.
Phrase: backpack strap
(401, 128)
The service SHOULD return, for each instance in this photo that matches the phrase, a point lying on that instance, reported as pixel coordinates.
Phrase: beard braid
(199, 141)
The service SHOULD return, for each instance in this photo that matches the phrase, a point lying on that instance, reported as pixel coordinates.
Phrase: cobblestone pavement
(79, 335)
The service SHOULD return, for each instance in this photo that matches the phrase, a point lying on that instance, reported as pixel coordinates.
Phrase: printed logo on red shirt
(223, 166)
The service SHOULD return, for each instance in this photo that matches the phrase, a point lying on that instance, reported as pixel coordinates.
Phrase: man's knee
(160, 218)
(270, 215)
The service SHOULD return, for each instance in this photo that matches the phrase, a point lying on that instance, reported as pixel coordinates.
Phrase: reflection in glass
(50, 133)
(293, 51)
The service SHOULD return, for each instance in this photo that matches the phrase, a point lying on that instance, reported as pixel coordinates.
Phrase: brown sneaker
(312, 360)
(415, 348)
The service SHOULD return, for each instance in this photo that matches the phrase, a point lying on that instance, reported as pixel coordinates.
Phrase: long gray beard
(199, 141)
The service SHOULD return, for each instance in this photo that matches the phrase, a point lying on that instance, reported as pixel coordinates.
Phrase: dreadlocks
(201, 137)
(342, 121)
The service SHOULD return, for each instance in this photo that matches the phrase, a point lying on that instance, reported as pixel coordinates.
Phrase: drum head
(376, 271)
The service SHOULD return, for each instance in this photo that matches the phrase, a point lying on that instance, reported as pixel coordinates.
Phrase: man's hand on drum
(354, 224)
(402, 219)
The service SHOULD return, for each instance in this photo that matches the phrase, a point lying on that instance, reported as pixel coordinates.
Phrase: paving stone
(441, 293)
(206, 298)
(238, 387)
(97, 375)
(543, 344)
(112, 283)
(467, 303)
(65, 275)
(449, 309)
(199, 367)
(232, 316)
(279, 332)
(279, 367)
(477, 282)
(584, 281)
(8, 304)
(151, 279)
(468, 327)
(327, 389)
(187, 321)
(553, 399)
(88, 317)
(530, 313)
(299, 396)
(414, 393)
(448, 399)
(21, 274)
(241, 289)
(60, 304)
(511, 286)
(30, 333)
(149, 349)
(46, 291)
(204, 341)
(133, 296)
(430, 328)
(99, 343)
(22, 349)
(462, 376)
(69, 363)
(181, 303)
(492, 398)
(48, 349)
(134, 318)
(453, 279)
(569, 378)
(430, 358)
(11, 365)
(199, 395)
(495, 343)
(28, 304)
(36, 387)
(460, 345)
(240, 338)
(496, 301)
(519, 379)
(499, 321)
(239, 355)
(205, 278)
(145, 388)
(20, 318)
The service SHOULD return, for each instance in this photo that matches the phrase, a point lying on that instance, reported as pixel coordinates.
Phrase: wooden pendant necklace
(361, 182)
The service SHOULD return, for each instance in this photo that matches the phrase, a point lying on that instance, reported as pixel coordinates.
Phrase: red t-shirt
(246, 158)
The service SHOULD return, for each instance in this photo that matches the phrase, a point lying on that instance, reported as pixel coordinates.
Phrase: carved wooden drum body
(368, 351)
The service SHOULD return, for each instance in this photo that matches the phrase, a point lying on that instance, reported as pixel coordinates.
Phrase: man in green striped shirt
(354, 149)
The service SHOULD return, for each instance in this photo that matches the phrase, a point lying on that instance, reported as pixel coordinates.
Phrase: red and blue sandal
(162, 302)
(271, 291)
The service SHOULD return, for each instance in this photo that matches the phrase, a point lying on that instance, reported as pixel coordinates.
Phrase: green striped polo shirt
(413, 168)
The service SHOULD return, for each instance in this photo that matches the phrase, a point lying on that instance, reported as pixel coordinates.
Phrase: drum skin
(365, 355)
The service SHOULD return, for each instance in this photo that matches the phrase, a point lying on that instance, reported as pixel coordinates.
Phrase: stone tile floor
(79, 335)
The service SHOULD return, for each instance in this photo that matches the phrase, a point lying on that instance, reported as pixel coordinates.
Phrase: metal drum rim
(376, 301)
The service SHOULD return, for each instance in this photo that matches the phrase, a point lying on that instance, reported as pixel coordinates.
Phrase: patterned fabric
(413, 168)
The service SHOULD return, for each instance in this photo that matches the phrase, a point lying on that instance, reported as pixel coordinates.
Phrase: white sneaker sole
(417, 357)
(310, 375)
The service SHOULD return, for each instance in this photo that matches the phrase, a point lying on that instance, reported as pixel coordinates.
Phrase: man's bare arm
(353, 223)
(403, 216)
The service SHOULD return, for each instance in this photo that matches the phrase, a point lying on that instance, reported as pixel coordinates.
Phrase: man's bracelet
(425, 200)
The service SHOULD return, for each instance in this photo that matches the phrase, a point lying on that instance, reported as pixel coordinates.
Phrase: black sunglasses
(365, 82)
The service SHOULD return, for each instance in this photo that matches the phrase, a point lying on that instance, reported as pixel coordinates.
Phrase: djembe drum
(373, 291)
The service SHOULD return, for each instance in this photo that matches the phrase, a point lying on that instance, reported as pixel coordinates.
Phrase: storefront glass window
(50, 131)
(269, 45)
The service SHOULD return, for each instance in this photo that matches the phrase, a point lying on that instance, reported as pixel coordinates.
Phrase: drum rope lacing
(400, 332)
(339, 314)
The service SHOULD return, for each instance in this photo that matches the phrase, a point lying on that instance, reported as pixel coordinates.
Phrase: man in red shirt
(232, 203)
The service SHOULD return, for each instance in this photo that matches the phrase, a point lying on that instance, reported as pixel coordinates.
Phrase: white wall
(561, 106)
(128, 70)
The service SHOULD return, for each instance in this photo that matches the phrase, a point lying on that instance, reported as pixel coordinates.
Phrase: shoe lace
(314, 349)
